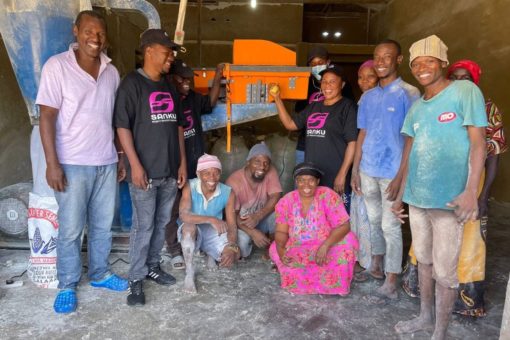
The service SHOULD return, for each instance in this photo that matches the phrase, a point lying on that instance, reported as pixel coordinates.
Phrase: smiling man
(194, 105)
(149, 124)
(257, 188)
(378, 166)
(75, 99)
(204, 199)
(447, 131)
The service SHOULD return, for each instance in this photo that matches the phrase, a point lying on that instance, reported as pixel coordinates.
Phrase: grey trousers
(151, 214)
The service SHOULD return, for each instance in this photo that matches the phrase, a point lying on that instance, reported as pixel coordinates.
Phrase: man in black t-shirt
(193, 105)
(149, 123)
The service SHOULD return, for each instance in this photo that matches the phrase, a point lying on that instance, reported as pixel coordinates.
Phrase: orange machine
(256, 65)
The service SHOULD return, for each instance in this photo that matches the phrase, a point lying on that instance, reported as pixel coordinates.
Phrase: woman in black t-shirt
(331, 130)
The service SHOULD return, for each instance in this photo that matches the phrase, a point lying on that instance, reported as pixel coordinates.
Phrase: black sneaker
(160, 277)
(136, 295)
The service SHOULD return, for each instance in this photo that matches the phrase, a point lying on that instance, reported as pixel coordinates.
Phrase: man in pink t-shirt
(257, 189)
(75, 98)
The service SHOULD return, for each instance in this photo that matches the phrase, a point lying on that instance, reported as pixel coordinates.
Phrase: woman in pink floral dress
(314, 249)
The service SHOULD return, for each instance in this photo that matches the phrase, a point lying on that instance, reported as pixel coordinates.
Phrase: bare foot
(358, 268)
(375, 269)
(211, 263)
(189, 284)
(438, 335)
(414, 325)
(388, 290)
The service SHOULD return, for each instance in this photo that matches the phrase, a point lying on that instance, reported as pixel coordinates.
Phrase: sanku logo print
(162, 107)
(447, 117)
(317, 120)
(161, 102)
(189, 131)
(189, 119)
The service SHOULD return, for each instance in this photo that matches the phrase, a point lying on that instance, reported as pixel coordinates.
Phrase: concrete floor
(244, 303)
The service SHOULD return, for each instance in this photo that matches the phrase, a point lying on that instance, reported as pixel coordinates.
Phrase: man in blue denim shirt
(377, 169)
(149, 123)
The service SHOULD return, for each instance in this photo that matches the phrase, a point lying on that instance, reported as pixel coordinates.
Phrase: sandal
(199, 253)
(361, 276)
(376, 275)
(274, 268)
(178, 262)
(112, 282)
(65, 302)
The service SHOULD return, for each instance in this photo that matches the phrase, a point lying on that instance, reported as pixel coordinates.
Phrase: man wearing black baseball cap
(149, 123)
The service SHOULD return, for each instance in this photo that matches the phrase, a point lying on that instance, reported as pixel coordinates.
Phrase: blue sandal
(112, 282)
(66, 301)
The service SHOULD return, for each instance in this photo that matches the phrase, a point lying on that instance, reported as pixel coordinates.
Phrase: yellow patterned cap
(431, 46)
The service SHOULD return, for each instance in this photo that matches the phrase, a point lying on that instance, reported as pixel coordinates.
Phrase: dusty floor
(244, 303)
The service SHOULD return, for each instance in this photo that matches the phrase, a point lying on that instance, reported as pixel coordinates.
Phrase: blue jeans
(89, 198)
(300, 156)
(267, 226)
(151, 213)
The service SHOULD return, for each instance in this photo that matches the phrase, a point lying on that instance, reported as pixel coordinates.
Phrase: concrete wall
(472, 29)
(14, 127)
(209, 29)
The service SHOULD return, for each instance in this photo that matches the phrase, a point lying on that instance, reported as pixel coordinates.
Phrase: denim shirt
(381, 113)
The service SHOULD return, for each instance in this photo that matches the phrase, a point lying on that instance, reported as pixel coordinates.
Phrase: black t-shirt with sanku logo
(152, 111)
(329, 128)
(194, 105)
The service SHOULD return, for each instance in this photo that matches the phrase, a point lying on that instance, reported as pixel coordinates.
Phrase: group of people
(157, 146)
(427, 151)
(392, 147)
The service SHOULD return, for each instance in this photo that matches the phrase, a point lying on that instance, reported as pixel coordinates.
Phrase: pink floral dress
(306, 234)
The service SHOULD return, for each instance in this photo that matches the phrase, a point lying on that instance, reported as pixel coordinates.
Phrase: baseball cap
(180, 68)
(156, 36)
(317, 51)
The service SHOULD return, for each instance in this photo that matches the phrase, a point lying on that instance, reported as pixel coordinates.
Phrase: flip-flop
(361, 276)
(376, 276)
(199, 253)
(358, 268)
(178, 262)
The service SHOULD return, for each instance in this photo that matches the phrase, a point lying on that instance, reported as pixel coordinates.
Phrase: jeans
(267, 226)
(173, 246)
(385, 229)
(300, 156)
(89, 198)
(151, 214)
